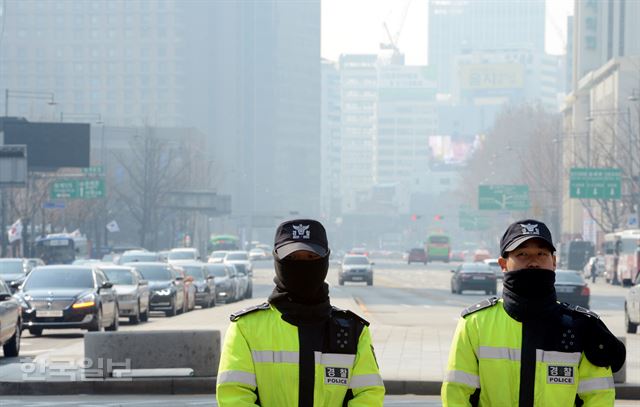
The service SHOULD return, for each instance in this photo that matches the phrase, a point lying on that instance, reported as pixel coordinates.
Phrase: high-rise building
(359, 94)
(456, 26)
(330, 141)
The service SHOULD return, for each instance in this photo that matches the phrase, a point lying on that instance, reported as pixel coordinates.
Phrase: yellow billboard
(491, 76)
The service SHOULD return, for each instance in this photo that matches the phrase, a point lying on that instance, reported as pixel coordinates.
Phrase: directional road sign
(78, 189)
(595, 183)
(503, 197)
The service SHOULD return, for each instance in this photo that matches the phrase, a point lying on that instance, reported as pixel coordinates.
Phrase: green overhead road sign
(78, 189)
(97, 170)
(503, 197)
(595, 183)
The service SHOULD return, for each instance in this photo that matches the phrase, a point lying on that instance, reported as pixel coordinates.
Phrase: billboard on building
(491, 76)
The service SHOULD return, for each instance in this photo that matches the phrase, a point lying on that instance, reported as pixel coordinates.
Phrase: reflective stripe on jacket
(485, 357)
(259, 366)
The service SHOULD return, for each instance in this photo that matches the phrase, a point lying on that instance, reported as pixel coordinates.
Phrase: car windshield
(475, 268)
(181, 256)
(216, 270)
(126, 258)
(155, 273)
(194, 271)
(356, 260)
(568, 277)
(59, 277)
(11, 267)
(119, 276)
(237, 256)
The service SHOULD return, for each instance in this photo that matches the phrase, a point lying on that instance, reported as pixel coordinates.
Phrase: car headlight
(164, 291)
(86, 301)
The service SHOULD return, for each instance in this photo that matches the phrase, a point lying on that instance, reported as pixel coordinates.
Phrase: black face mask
(302, 281)
(529, 293)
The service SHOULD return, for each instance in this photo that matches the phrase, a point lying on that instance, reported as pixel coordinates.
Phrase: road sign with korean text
(595, 183)
(503, 197)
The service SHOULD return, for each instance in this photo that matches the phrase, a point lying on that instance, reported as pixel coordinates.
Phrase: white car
(183, 254)
(217, 256)
(495, 266)
(257, 254)
(240, 259)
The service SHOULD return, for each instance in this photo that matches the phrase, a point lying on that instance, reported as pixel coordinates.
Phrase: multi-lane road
(411, 309)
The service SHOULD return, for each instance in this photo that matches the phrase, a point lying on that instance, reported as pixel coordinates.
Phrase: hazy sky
(355, 26)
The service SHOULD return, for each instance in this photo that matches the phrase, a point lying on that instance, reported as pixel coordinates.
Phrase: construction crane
(393, 39)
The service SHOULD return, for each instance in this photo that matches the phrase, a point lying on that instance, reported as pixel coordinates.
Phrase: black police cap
(301, 234)
(523, 230)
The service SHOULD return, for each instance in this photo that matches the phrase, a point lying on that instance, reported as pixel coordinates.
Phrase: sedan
(571, 288)
(225, 280)
(65, 296)
(217, 256)
(10, 322)
(205, 288)
(240, 258)
(632, 307)
(166, 286)
(131, 256)
(355, 267)
(132, 291)
(474, 276)
(14, 271)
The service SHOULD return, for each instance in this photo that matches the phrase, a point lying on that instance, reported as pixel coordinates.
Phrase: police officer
(296, 349)
(527, 349)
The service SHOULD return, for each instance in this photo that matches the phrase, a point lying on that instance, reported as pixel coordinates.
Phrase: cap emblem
(530, 229)
(301, 232)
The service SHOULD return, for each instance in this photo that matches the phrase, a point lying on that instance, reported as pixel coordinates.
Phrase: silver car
(132, 291)
(225, 280)
(355, 268)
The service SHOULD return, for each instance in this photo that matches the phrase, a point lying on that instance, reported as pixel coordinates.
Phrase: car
(257, 254)
(240, 258)
(131, 256)
(10, 321)
(417, 255)
(481, 255)
(14, 271)
(132, 290)
(457, 255)
(217, 256)
(244, 280)
(189, 287)
(632, 307)
(67, 296)
(495, 266)
(474, 276)
(166, 286)
(572, 288)
(225, 280)
(182, 254)
(205, 288)
(355, 268)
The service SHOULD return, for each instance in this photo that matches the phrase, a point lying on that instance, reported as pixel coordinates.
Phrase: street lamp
(27, 94)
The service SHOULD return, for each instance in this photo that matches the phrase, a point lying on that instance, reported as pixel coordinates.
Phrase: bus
(224, 242)
(628, 254)
(611, 247)
(438, 247)
(575, 254)
(55, 249)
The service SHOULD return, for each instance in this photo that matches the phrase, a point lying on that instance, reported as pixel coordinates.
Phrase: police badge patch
(336, 375)
(560, 375)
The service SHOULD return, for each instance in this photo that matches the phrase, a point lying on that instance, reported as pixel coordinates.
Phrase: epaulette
(489, 302)
(236, 315)
(345, 313)
(581, 310)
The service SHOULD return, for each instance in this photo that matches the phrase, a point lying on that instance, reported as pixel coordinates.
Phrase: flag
(113, 226)
(15, 231)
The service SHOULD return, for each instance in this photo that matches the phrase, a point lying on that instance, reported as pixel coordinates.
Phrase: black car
(10, 322)
(65, 296)
(572, 288)
(204, 283)
(166, 286)
(474, 276)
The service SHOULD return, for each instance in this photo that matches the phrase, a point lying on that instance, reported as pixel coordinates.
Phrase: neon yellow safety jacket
(259, 365)
(485, 362)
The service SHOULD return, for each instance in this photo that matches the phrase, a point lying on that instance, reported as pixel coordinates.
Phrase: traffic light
(438, 217)
(414, 217)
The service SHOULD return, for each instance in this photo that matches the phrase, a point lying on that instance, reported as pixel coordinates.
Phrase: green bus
(224, 242)
(438, 247)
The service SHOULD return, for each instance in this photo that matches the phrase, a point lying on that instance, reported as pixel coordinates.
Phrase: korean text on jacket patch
(336, 375)
(560, 375)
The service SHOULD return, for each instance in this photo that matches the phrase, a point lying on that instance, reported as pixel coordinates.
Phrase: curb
(207, 385)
